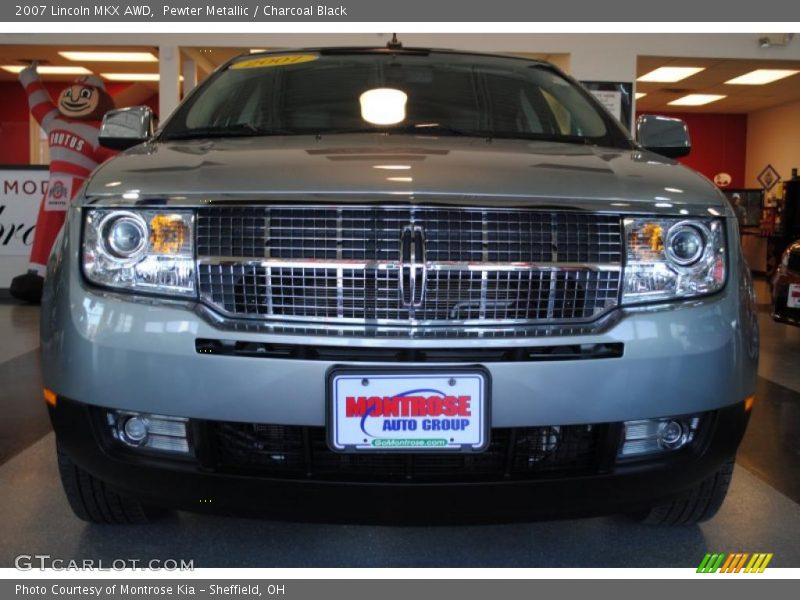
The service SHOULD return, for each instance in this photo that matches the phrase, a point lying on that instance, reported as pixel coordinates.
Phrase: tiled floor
(19, 330)
(760, 514)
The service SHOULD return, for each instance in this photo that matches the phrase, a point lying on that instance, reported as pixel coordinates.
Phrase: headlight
(142, 250)
(673, 258)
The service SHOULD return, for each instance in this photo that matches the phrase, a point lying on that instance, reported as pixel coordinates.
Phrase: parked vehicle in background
(785, 287)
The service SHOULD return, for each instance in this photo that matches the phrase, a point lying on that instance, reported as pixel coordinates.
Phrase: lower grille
(302, 452)
(361, 295)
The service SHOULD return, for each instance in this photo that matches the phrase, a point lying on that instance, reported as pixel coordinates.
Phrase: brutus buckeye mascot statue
(72, 126)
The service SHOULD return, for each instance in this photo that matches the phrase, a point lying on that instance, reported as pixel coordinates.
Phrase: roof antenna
(394, 43)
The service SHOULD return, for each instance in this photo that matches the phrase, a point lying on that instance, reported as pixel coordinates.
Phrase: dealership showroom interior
(278, 221)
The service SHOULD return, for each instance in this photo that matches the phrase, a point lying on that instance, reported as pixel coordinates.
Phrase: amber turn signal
(168, 234)
(50, 397)
(748, 403)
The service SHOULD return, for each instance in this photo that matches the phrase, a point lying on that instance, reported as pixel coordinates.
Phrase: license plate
(793, 299)
(408, 411)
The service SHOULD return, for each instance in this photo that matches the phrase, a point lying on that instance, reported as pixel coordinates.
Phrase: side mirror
(663, 135)
(127, 127)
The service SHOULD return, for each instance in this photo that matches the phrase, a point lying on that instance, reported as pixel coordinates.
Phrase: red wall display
(719, 144)
(14, 118)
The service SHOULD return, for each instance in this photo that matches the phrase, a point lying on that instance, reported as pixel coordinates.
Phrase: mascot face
(78, 101)
(86, 100)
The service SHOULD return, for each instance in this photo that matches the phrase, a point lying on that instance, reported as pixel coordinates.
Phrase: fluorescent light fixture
(109, 56)
(697, 99)
(392, 167)
(132, 76)
(670, 74)
(50, 70)
(383, 106)
(640, 95)
(406, 179)
(762, 76)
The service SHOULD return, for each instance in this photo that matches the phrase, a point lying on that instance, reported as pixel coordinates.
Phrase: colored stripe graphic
(703, 563)
(734, 562)
(726, 566)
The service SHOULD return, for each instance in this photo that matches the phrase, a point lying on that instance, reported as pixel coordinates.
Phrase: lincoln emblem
(413, 273)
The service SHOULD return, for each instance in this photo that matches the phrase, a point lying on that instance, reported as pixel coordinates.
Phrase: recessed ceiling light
(762, 76)
(697, 99)
(132, 76)
(109, 56)
(640, 95)
(50, 70)
(670, 74)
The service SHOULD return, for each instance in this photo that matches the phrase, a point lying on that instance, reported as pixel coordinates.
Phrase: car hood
(394, 166)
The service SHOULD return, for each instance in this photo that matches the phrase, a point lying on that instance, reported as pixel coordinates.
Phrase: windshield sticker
(283, 60)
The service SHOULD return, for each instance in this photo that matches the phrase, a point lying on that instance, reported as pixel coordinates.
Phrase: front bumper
(200, 485)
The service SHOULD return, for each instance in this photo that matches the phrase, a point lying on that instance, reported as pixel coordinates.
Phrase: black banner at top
(710, 11)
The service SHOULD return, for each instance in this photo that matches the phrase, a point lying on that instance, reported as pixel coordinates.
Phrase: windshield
(440, 94)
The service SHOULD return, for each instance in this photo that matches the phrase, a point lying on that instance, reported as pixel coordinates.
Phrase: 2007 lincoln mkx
(344, 279)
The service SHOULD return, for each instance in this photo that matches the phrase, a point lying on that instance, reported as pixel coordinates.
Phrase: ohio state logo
(58, 191)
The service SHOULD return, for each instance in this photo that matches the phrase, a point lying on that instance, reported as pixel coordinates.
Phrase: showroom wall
(773, 138)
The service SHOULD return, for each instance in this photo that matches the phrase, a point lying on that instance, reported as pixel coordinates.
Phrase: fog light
(670, 435)
(650, 436)
(150, 432)
(134, 430)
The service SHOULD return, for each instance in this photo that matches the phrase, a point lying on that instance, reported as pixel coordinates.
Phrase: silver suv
(399, 285)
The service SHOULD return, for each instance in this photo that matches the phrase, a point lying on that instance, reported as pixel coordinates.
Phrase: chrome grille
(346, 264)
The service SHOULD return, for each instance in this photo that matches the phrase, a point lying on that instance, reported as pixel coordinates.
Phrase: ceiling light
(762, 76)
(697, 99)
(109, 56)
(257, 50)
(670, 74)
(406, 179)
(132, 76)
(383, 106)
(640, 95)
(50, 70)
(392, 167)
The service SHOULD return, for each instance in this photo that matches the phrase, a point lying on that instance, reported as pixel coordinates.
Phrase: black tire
(698, 504)
(93, 501)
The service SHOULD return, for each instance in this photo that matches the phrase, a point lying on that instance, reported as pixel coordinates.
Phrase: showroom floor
(761, 514)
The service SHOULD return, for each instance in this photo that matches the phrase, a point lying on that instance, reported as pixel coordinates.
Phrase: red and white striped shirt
(74, 147)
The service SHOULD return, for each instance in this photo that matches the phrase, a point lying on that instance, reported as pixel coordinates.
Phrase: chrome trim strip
(398, 265)
(612, 206)
(418, 334)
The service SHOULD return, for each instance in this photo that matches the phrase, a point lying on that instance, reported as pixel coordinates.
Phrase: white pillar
(189, 76)
(169, 69)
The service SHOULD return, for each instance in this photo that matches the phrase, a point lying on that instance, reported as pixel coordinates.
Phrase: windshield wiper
(237, 130)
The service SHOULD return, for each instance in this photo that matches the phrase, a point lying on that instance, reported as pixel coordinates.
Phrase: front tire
(93, 501)
(699, 504)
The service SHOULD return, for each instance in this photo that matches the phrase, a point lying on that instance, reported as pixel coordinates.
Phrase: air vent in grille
(347, 263)
(292, 451)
